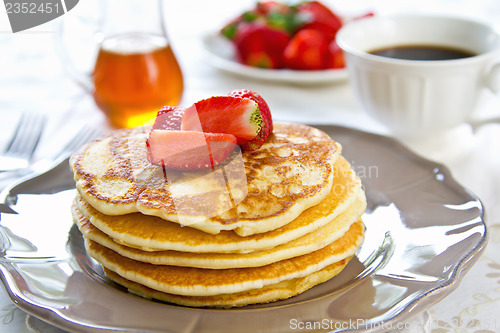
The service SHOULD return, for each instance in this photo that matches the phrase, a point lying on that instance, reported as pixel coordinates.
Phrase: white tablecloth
(32, 78)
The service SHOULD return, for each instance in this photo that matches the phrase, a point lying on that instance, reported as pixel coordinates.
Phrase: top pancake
(270, 187)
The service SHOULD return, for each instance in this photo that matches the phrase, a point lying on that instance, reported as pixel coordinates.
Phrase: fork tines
(27, 135)
(84, 135)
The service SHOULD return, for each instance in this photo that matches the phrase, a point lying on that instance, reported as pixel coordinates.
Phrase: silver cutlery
(84, 135)
(18, 153)
(58, 162)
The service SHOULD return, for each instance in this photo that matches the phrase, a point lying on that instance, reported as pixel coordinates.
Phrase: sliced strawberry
(318, 16)
(259, 45)
(308, 50)
(169, 117)
(267, 120)
(224, 114)
(189, 150)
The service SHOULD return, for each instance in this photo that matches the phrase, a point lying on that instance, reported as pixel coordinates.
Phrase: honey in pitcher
(134, 76)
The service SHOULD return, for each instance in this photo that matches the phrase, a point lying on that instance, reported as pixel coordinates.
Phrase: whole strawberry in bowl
(317, 16)
(260, 45)
(282, 42)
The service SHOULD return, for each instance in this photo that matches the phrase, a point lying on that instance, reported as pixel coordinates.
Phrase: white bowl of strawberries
(280, 42)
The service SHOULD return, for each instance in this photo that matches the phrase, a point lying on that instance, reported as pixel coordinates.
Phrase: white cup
(417, 97)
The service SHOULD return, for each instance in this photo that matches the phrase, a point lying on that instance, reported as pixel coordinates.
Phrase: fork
(84, 135)
(19, 151)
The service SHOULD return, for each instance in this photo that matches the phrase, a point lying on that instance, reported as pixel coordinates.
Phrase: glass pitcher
(135, 71)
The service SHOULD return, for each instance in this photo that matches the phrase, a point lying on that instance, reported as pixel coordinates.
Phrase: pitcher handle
(81, 77)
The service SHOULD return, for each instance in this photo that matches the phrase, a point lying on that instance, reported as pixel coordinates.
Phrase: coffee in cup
(420, 74)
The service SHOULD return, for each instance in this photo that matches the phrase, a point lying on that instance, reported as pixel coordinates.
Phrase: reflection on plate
(220, 53)
(423, 231)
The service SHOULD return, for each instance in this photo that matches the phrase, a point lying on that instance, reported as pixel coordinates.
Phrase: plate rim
(461, 268)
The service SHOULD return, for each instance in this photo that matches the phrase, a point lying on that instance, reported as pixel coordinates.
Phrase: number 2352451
(32, 7)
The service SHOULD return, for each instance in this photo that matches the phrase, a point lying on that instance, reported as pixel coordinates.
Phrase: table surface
(33, 79)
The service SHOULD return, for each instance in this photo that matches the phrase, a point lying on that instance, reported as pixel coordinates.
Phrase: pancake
(310, 242)
(149, 233)
(270, 293)
(190, 281)
(291, 172)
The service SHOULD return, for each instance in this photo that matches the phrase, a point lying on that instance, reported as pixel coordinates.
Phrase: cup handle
(493, 78)
(492, 81)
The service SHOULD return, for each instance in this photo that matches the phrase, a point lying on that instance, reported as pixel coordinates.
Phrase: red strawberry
(169, 117)
(308, 50)
(224, 114)
(318, 16)
(271, 6)
(278, 15)
(189, 150)
(258, 45)
(230, 29)
(336, 56)
(267, 120)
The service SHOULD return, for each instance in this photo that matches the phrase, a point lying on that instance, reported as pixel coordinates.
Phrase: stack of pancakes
(264, 226)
